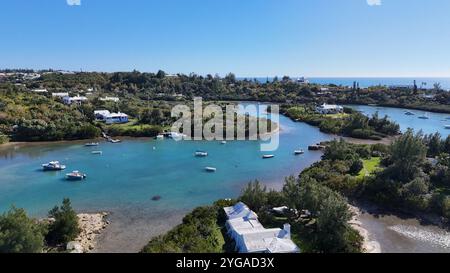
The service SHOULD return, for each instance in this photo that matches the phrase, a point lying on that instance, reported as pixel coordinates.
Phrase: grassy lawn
(337, 116)
(370, 165)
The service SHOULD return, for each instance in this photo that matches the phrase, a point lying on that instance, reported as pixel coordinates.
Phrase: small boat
(268, 156)
(75, 176)
(53, 166)
(210, 169)
(447, 126)
(223, 142)
(424, 116)
(92, 144)
(115, 140)
(96, 152)
(159, 137)
(201, 154)
(299, 152)
(409, 113)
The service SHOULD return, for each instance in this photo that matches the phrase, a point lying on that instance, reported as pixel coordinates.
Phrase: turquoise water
(130, 173)
(435, 123)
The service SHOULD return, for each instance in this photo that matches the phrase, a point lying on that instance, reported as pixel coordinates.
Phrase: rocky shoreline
(91, 225)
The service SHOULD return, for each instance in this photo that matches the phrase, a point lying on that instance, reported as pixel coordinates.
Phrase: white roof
(278, 245)
(117, 115)
(39, 90)
(251, 236)
(330, 106)
(240, 210)
(61, 94)
(101, 112)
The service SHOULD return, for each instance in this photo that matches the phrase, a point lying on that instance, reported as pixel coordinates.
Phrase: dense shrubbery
(64, 226)
(200, 232)
(133, 130)
(350, 123)
(21, 234)
(3, 139)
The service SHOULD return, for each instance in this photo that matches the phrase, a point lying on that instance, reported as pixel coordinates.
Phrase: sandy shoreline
(369, 246)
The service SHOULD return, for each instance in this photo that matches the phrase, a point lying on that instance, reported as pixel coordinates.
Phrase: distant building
(329, 109)
(31, 76)
(428, 97)
(42, 90)
(302, 80)
(77, 100)
(110, 118)
(251, 237)
(114, 99)
(60, 95)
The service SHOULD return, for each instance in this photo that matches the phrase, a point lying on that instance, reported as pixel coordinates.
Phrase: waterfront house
(116, 118)
(329, 109)
(110, 118)
(101, 115)
(77, 100)
(251, 237)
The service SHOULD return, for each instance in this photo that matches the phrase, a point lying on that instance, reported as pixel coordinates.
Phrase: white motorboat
(424, 116)
(210, 169)
(115, 140)
(53, 166)
(299, 152)
(223, 142)
(268, 156)
(409, 113)
(97, 152)
(201, 154)
(75, 176)
(92, 144)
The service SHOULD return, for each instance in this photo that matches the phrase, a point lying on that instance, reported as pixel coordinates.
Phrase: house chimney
(287, 229)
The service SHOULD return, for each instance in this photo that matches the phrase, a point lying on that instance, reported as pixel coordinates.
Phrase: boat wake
(440, 238)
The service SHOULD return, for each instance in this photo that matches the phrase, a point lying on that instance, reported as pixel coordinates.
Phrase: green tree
(407, 154)
(20, 234)
(65, 226)
(254, 195)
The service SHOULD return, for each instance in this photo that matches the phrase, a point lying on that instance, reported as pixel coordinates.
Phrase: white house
(251, 237)
(39, 90)
(114, 99)
(116, 118)
(329, 109)
(101, 114)
(77, 99)
(110, 118)
(60, 95)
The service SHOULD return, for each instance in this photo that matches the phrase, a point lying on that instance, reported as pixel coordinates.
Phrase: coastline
(369, 245)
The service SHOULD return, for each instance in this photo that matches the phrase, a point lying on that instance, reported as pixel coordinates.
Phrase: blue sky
(247, 37)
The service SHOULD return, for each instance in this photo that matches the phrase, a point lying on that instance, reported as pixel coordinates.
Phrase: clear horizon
(319, 39)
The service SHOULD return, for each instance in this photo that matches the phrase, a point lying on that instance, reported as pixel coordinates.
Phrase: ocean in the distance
(367, 82)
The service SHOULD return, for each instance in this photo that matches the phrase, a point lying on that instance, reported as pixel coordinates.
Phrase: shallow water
(405, 235)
